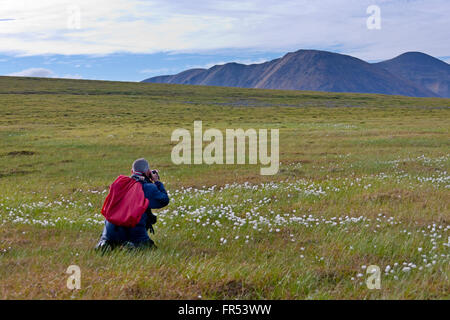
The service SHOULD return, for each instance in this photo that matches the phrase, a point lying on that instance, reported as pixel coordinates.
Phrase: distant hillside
(423, 70)
(303, 70)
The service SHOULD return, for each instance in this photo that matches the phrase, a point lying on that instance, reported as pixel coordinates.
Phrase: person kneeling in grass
(127, 208)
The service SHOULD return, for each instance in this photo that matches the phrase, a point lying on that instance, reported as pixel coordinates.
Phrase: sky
(131, 40)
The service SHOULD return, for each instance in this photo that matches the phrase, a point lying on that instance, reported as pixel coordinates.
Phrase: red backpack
(126, 203)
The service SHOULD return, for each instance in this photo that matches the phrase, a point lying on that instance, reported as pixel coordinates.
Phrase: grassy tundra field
(363, 180)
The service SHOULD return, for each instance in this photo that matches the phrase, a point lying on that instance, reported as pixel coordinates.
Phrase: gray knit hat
(140, 165)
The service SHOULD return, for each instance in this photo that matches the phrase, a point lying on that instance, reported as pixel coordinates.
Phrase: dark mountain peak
(234, 64)
(416, 57)
(416, 54)
(193, 70)
(323, 59)
(312, 52)
(229, 65)
(308, 69)
(308, 53)
(319, 54)
(421, 69)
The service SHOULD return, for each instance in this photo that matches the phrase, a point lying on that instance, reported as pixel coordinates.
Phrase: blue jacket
(158, 198)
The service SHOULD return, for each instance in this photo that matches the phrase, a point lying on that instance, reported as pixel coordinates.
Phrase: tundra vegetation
(363, 180)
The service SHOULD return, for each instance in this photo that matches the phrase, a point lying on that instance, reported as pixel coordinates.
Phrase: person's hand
(154, 176)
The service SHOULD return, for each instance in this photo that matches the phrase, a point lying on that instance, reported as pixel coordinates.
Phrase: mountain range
(410, 74)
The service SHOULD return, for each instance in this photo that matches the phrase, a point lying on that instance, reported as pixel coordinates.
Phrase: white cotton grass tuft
(215, 213)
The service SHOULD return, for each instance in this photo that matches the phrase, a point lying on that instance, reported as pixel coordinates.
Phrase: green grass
(363, 181)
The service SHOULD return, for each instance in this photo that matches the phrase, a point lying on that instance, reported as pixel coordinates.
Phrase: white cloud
(107, 26)
(34, 72)
(158, 70)
(43, 73)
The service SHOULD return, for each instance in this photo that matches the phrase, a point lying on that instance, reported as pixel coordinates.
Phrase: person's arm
(156, 194)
